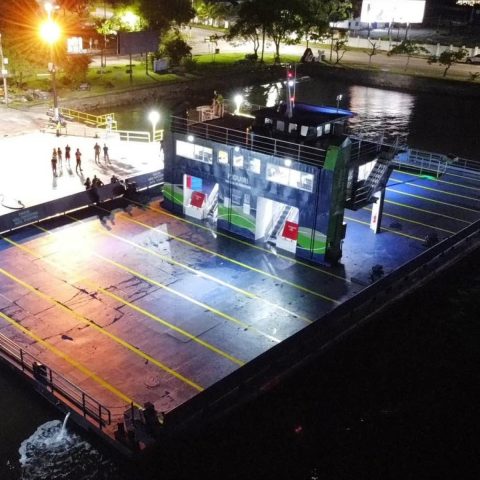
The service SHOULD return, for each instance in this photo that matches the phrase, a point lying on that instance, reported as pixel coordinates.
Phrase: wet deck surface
(135, 304)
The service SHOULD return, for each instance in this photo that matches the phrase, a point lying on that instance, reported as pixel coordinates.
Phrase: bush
(190, 64)
(175, 47)
(252, 57)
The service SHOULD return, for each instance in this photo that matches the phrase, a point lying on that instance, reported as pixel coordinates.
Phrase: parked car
(474, 59)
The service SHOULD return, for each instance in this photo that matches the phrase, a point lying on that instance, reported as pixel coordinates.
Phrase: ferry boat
(279, 175)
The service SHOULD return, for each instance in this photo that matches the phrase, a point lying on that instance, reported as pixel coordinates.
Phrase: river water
(397, 400)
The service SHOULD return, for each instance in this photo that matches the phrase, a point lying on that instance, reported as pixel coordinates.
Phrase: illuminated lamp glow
(190, 138)
(50, 31)
(237, 148)
(130, 19)
(238, 99)
(288, 162)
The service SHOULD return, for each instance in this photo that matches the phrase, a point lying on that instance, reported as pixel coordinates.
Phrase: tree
(448, 58)
(340, 48)
(162, 14)
(246, 31)
(19, 24)
(373, 50)
(318, 14)
(208, 9)
(253, 16)
(175, 47)
(75, 69)
(285, 23)
(408, 48)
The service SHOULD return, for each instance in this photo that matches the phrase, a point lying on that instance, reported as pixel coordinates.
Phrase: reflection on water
(380, 113)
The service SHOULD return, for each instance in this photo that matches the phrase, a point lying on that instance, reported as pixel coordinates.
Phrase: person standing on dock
(78, 158)
(96, 149)
(54, 162)
(67, 154)
(105, 153)
(59, 156)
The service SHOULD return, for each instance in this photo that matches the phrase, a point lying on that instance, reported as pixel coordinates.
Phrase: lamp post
(154, 117)
(339, 99)
(238, 99)
(4, 72)
(50, 33)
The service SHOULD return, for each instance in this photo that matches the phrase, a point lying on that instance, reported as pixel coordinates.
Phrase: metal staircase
(277, 226)
(374, 182)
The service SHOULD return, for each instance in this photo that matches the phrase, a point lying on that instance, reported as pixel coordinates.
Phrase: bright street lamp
(50, 33)
(238, 99)
(154, 117)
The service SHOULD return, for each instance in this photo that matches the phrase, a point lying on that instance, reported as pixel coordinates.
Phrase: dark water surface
(397, 400)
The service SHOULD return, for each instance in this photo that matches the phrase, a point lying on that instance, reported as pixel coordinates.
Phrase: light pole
(154, 117)
(339, 99)
(4, 72)
(50, 32)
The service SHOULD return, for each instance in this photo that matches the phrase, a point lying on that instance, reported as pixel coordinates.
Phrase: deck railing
(237, 138)
(55, 383)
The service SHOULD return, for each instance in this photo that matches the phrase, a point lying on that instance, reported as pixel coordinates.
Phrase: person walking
(78, 158)
(54, 162)
(96, 149)
(67, 154)
(59, 156)
(105, 153)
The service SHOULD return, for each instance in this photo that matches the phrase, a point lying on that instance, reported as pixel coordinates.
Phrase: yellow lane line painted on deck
(466, 177)
(443, 192)
(247, 244)
(96, 327)
(414, 221)
(151, 315)
(169, 325)
(432, 200)
(213, 310)
(438, 180)
(231, 260)
(404, 205)
(391, 230)
(198, 273)
(71, 361)
(147, 279)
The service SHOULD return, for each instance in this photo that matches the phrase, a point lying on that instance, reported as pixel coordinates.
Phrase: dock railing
(54, 383)
(104, 120)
